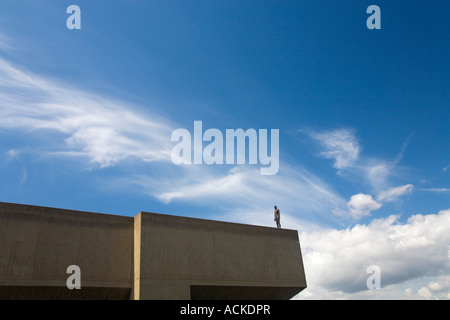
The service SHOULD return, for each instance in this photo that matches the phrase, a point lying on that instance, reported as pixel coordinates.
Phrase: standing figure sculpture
(277, 216)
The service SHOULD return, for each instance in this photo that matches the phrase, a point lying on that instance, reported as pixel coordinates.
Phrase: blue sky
(86, 118)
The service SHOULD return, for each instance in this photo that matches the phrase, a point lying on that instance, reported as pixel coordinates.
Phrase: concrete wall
(195, 258)
(150, 256)
(37, 245)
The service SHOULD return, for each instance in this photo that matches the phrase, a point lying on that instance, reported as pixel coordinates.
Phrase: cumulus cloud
(336, 261)
(362, 204)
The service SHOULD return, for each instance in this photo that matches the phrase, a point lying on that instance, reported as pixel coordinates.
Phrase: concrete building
(149, 256)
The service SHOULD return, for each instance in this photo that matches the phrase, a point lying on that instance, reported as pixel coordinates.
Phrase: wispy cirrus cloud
(100, 129)
(343, 147)
(340, 145)
(435, 189)
(242, 194)
(104, 132)
(394, 193)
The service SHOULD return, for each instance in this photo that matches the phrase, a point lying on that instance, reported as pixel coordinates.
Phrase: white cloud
(377, 174)
(340, 145)
(362, 204)
(100, 129)
(336, 260)
(424, 293)
(12, 154)
(393, 193)
(435, 189)
(106, 131)
(343, 146)
(79, 124)
(231, 185)
(241, 191)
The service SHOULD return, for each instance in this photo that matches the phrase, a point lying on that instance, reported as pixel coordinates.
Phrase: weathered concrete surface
(204, 259)
(150, 256)
(37, 245)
